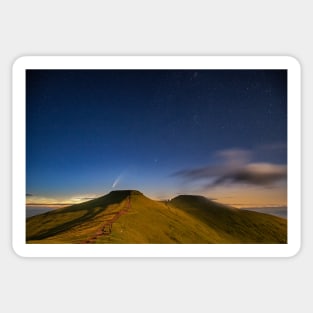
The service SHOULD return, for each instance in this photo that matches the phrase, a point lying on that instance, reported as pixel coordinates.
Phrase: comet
(116, 181)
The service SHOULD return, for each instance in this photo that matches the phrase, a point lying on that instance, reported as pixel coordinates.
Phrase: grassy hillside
(130, 217)
(74, 223)
(234, 225)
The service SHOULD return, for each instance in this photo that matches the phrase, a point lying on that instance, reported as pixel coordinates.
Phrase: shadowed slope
(51, 223)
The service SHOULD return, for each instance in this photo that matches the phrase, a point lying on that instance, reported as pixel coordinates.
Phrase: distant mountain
(127, 216)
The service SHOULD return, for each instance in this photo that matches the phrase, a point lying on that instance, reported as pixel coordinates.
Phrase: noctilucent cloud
(219, 133)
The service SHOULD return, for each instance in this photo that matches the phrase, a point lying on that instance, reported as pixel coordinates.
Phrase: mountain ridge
(128, 216)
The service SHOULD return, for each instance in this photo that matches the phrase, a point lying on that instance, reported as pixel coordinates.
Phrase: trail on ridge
(106, 228)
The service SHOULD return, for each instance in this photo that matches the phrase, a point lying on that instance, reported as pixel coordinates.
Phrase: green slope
(138, 219)
(234, 225)
(81, 217)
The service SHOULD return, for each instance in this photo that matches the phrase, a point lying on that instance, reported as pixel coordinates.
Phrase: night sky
(219, 133)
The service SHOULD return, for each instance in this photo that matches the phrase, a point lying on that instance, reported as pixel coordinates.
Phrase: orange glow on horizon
(239, 197)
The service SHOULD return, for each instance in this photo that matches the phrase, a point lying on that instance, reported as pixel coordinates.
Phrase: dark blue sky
(89, 128)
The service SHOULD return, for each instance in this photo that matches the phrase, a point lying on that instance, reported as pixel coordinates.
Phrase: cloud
(42, 200)
(262, 174)
(79, 199)
(229, 160)
(202, 172)
(234, 167)
(29, 195)
(234, 157)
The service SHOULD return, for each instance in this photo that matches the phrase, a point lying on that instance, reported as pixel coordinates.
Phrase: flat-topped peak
(191, 197)
(126, 192)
